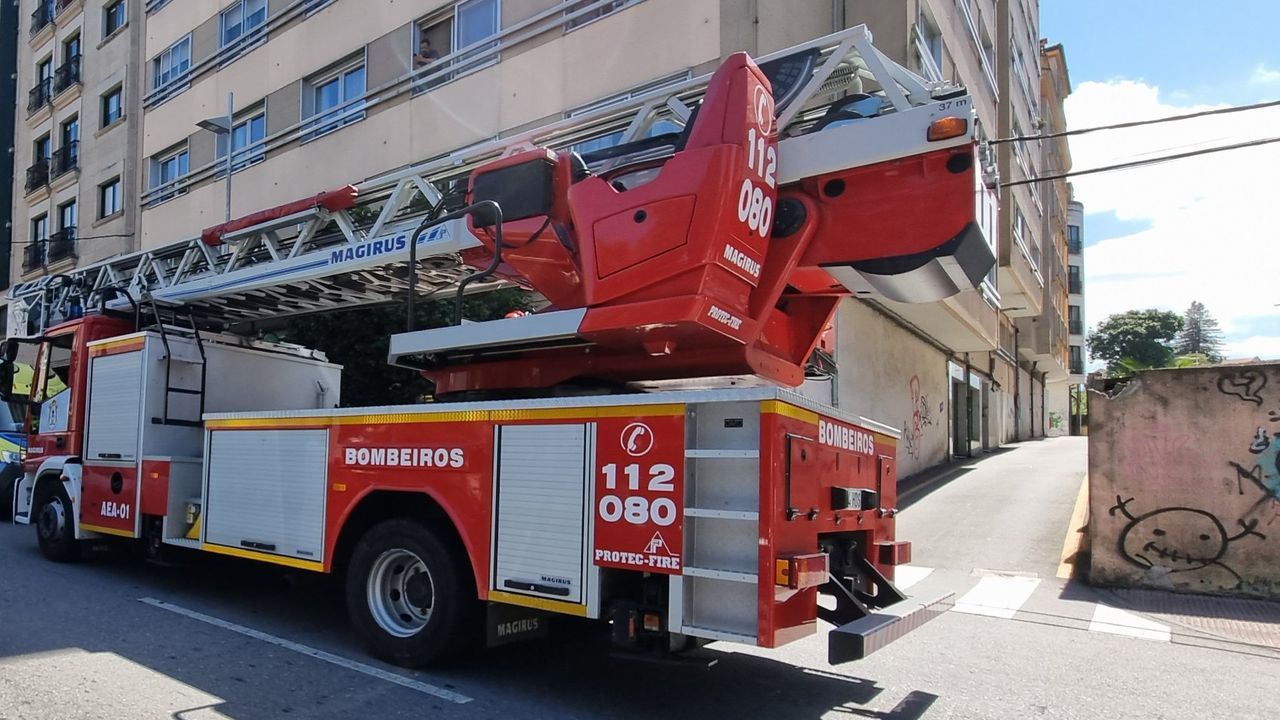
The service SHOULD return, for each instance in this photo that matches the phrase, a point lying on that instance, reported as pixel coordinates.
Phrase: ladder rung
(185, 391)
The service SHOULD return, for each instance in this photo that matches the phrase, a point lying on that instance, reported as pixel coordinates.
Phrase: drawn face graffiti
(1180, 539)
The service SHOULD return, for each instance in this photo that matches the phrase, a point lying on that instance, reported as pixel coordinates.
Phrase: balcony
(1075, 286)
(33, 255)
(1077, 367)
(66, 159)
(1075, 247)
(67, 75)
(38, 175)
(1077, 327)
(42, 17)
(62, 245)
(40, 95)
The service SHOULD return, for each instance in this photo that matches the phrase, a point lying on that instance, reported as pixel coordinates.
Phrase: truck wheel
(54, 530)
(408, 595)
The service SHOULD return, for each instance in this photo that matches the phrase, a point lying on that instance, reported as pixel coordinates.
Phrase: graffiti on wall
(1244, 384)
(1180, 540)
(1208, 540)
(921, 419)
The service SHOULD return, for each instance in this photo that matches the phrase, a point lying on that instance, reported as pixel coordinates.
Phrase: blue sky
(1193, 49)
(1176, 232)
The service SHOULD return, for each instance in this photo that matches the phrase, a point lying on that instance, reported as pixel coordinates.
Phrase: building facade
(1077, 409)
(1047, 335)
(77, 134)
(324, 93)
(8, 98)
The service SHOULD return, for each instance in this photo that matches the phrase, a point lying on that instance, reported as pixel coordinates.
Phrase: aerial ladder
(721, 249)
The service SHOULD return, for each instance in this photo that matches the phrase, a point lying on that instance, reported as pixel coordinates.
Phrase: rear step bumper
(858, 639)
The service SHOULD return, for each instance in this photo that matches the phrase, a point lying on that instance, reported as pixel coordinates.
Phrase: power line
(1137, 123)
(78, 238)
(1139, 163)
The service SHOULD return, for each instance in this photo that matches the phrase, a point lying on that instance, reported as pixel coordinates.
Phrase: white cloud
(1265, 348)
(1263, 75)
(1212, 232)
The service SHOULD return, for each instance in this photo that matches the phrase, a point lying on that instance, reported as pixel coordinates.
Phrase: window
(112, 106)
(52, 390)
(43, 148)
(241, 18)
(929, 45)
(590, 15)
(70, 131)
(246, 134)
(475, 20)
(113, 17)
(166, 171)
(40, 228)
(67, 216)
(1073, 238)
(71, 49)
(334, 99)
(109, 198)
(172, 64)
(44, 71)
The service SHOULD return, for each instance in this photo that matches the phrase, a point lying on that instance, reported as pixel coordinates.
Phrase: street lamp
(220, 126)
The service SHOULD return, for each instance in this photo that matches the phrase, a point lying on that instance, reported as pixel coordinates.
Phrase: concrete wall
(1058, 409)
(1184, 481)
(889, 375)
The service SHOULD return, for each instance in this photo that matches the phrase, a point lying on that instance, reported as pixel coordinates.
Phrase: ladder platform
(420, 349)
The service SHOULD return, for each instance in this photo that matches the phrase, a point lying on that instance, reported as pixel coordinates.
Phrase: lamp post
(224, 126)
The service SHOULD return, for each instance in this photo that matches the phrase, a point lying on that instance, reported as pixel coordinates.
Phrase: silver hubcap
(400, 592)
(53, 518)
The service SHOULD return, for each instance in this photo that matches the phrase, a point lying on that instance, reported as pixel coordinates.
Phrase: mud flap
(858, 639)
(511, 623)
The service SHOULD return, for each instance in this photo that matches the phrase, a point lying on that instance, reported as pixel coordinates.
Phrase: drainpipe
(1017, 391)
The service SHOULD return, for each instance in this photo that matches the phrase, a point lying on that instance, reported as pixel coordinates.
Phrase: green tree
(1200, 334)
(1135, 340)
(358, 340)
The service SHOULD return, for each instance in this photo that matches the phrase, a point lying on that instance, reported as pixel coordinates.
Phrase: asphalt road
(117, 638)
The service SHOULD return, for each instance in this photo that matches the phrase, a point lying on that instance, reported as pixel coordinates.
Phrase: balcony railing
(33, 255)
(62, 4)
(62, 245)
(66, 159)
(40, 95)
(1077, 367)
(1075, 286)
(38, 175)
(67, 75)
(1077, 327)
(42, 16)
(1075, 247)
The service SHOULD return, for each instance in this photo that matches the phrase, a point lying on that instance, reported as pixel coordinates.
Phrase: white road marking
(904, 576)
(1119, 622)
(997, 596)
(342, 662)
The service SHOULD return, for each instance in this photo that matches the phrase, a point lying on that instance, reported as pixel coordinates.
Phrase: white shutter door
(540, 489)
(115, 404)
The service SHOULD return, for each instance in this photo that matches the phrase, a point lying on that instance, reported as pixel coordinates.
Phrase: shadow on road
(572, 674)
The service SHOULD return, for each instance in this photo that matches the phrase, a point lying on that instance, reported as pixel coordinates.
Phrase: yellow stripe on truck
(584, 413)
(265, 557)
(538, 603)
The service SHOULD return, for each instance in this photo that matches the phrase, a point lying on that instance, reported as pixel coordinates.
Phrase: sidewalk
(1238, 621)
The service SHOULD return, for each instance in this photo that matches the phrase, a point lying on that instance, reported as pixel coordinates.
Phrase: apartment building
(1077, 410)
(77, 134)
(8, 95)
(1047, 335)
(324, 93)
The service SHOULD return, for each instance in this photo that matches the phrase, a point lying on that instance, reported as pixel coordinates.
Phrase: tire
(53, 521)
(408, 595)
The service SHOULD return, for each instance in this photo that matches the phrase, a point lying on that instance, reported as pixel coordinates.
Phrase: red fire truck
(625, 454)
